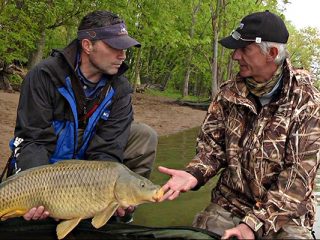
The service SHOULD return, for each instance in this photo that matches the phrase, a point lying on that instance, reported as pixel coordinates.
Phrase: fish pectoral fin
(102, 217)
(13, 213)
(66, 226)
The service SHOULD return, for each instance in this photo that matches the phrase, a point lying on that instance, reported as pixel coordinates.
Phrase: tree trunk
(186, 82)
(4, 82)
(185, 91)
(37, 55)
(4, 73)
(214, 66)
(136, 78)
(229, 69)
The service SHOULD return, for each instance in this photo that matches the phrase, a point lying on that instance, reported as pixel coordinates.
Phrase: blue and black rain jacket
(47, 124)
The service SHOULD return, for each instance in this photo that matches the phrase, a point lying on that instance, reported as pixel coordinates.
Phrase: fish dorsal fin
(13, 213)
(102, 217)
(66, 226)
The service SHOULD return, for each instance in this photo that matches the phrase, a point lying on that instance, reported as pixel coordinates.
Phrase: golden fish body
(73, 190)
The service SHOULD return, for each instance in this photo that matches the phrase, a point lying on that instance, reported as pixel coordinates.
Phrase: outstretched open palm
(180, 181)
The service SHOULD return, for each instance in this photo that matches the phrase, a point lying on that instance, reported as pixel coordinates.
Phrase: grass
(176, 95)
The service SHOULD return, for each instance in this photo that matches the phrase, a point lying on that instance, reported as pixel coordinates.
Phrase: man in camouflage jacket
(262, 133)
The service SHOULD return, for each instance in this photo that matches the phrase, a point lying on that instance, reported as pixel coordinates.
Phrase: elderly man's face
(253, 63)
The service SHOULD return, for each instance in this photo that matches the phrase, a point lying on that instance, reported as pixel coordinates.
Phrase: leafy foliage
(17, 34)
(163, 27)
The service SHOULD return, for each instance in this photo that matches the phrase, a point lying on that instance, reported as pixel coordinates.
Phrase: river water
(175, 151)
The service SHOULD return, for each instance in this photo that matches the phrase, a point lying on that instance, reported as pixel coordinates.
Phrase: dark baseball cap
(115, 35)
(257, 27)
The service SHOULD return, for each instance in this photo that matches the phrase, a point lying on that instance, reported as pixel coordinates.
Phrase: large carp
(73, 190)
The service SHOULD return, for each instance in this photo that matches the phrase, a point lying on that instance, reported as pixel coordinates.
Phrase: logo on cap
(92, 34)
(123, 30)
(241, 25)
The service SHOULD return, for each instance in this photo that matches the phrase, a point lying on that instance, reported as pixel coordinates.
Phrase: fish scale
(73, 190)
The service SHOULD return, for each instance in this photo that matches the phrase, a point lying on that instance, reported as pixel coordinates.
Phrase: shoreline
(160, 113)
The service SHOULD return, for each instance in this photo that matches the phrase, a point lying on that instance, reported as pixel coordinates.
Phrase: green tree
(179, 38)
(304, 49)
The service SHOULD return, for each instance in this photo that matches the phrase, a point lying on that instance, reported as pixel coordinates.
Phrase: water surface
(174, 151)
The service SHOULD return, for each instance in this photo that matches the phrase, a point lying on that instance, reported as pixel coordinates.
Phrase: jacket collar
(236, 91)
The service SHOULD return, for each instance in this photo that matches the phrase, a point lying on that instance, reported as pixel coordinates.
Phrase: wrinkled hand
(242, 231)
(180, 181)
(120, 212)
(36, 213)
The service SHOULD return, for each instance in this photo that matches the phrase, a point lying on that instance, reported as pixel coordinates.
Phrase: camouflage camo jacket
(268, 157)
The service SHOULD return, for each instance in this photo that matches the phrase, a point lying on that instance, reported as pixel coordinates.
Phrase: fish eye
(142, 184)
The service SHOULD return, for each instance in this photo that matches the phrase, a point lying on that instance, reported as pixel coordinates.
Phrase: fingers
(120, 212)
(28, 216)
(233, 232)
(174, 195)
(165, 187)
(168, 191)
(44, 215)
(36, 213)
(165, 170)
(130, 209)
(170, 195)
(180, 181)
(166, 195)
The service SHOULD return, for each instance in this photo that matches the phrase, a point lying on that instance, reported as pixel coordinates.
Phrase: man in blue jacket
(76, 104)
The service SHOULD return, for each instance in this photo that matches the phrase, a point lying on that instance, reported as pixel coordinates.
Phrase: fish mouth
(158, 195)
